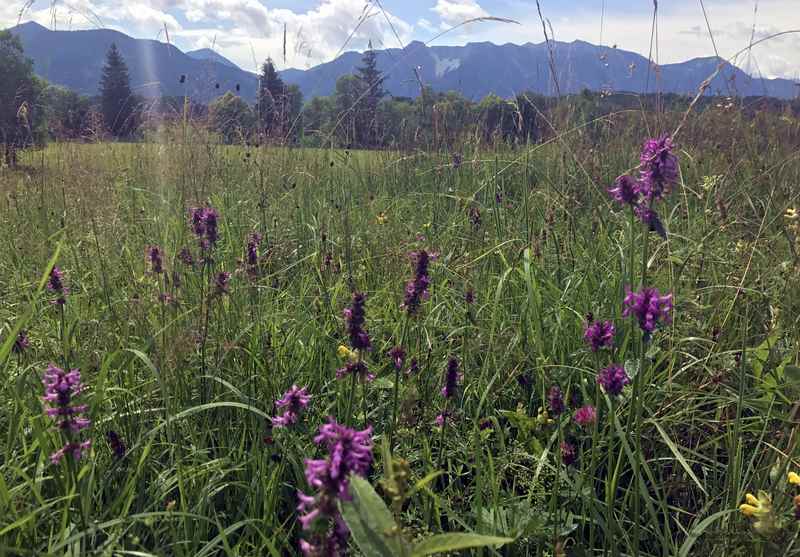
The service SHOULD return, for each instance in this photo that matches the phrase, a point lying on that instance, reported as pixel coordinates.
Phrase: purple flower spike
(599, 334)
(649, 308)
(555, 401)
(116, 444)
(625, 190)
(253, 242)
(204, 222)
(154, 255)
(417, 288)
(613, 379)
(349, 452)
(569, 456)
(451, 379)
(293, 402)
(60, 387)
(658, 167)
(56, 285)
(354, 317)
(585, 415)
(398, 356)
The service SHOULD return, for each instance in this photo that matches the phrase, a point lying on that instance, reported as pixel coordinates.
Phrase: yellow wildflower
(791, 214)
(759, 508)
(794, 478)
(345, 353)
(382, 218)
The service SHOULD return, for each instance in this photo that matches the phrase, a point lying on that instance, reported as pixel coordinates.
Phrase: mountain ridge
(74, 59)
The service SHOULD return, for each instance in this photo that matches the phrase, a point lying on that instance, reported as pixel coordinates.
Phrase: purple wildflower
(222, 283)
(60, 387)
(451, 379)
(154, 255)
(625, 190)
(613, 379)
(568, 453)
(469, 296)
(21, 343)
(441, 419)
(649, 307)
(116, 444)
(56, 285)
(294, 401)
(204, 223)
(658, 167)
(185, 257)
(599, 334)
(417, 288)
(413, 367)
(357, 368)
(354, 318)
(555, 401)
(585, 415)
(651, 219)
(349, 452)
(253, 242)
(398, 356)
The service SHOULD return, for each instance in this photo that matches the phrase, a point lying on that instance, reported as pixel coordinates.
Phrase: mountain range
(74, 59)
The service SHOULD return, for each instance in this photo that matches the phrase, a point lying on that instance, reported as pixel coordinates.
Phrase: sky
(249, 31)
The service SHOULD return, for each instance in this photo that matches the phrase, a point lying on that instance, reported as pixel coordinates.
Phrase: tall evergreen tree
(370, 80)
(271, 101)
(118, 102)
(20, 117)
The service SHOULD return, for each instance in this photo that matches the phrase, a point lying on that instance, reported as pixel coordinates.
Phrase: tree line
(359, 114)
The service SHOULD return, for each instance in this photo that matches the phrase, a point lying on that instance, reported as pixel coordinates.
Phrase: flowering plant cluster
(60, 389)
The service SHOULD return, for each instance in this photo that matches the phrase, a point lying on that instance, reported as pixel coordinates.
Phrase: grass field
(184, 366)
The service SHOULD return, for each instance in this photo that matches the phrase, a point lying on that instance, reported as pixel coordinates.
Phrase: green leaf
(442, 543)
(370, 522)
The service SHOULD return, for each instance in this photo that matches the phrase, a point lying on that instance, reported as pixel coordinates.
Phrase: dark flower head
(613, 379)
(204, 223)
(650, 219)
(56, 285)
(222, 283)
(413, 367)
(116, 444)
(585, 415)
(354, 317)
(569, 455)
(658, 167)
(293, 402)
(21, 343)
(469, 296)
(625, 190)
(441, 419)
(599, 334)
(398, 356)
(154, 256)
(555, 401)
(649, 308)
(252, 248)
(185, 257)
(358, 368)
(451, 379)
(417, 288)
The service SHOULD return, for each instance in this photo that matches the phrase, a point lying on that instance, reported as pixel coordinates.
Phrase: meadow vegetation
(421, 318)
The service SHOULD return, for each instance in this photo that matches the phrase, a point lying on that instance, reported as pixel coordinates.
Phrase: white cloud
(454, 12)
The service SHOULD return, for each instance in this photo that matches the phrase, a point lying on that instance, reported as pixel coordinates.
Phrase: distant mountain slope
(478, 69)
(74, 59)
(208, 54)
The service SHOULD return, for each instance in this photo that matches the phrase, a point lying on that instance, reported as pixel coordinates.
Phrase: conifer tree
(370, 80)
(118, 102)
(20, 117)
(271, 101)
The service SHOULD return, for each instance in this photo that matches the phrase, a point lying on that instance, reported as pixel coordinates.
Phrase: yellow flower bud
(794, 478)
(747, 510)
